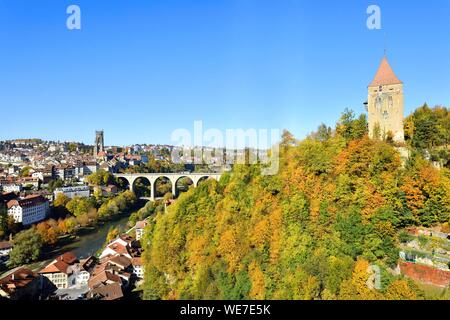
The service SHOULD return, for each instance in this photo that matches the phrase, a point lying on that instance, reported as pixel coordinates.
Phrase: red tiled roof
(127, 238)
(103, 278)
(5, 245)
(60, 264)
(108, 292)
(67, 257)
(385, 75)
(117, 247)
(121, 261)
(141, 224)
(17, 279)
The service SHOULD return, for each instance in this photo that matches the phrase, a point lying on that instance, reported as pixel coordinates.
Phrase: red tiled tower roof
(385, 75)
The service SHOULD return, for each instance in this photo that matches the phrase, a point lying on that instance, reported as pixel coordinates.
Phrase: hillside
(310, 232)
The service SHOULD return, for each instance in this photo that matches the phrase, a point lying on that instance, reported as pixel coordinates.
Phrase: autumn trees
(428, 131)
(101, 178)
(310, 232)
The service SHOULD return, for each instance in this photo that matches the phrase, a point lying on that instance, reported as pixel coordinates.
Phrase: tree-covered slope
(309, 232)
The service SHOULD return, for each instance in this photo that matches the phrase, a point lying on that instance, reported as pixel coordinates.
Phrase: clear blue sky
(141, 69)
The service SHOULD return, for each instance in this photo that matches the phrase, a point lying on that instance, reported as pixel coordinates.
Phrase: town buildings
(66, 271)
(108, 277)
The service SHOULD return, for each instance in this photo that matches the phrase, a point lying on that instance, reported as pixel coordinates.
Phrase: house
(106, 191)
(76, 191)
(111, 272)
(120, 261)
(30, 182)
(28, 210)
(83, 271)
(21, 284)
(65, 172)
(61, 271)
(104, 278)
(38, 175)
(12, 188)
(120, 246)
(111, 291)
(138, 268)
(140, 226)
(5, 248)
(45, 193)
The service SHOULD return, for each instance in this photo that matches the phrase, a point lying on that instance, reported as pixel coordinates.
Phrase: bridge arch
(165, 184)
(142, 187)
(124, 183)
(182, 184)
(201, 179)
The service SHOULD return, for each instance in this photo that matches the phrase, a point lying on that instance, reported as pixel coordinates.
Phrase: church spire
(385, 75)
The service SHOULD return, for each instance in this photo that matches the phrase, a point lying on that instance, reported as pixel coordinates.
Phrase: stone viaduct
(172, 177)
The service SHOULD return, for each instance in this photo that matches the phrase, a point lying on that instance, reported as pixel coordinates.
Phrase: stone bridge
(172, 177)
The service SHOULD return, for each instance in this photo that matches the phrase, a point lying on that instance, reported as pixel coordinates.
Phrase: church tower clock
(385, 104)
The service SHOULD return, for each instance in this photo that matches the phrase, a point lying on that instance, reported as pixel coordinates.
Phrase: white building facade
(29, 210)
(72, 192)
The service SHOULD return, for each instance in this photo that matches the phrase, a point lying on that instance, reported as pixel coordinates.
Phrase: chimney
(13, 277)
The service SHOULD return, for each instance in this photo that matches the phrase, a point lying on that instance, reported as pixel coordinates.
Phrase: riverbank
(87, 240)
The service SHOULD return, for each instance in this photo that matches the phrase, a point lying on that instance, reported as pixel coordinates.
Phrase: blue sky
(141, 69)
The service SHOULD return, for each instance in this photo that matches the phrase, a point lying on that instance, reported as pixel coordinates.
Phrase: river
(89, 243)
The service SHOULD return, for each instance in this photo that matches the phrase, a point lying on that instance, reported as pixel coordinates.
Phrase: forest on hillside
(336, 207)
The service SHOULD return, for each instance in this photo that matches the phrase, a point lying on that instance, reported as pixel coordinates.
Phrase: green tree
(79, 206)
(323, 133)
(27, 247)
(54, 184)
(101, 178)
(25, 172)
(351, 128)
(61, 200)
(3, 220)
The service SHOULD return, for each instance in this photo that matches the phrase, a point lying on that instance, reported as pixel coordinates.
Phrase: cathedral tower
(99, 142)
(385, 104)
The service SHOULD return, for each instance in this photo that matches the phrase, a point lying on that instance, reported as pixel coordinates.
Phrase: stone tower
(99, 142)
(385, 104)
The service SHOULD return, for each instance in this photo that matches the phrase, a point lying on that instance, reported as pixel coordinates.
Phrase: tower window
(391, 102)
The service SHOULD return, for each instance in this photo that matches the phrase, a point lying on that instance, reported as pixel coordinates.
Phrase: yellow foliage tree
(257, 291)
(356, 288)
(400, 290)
